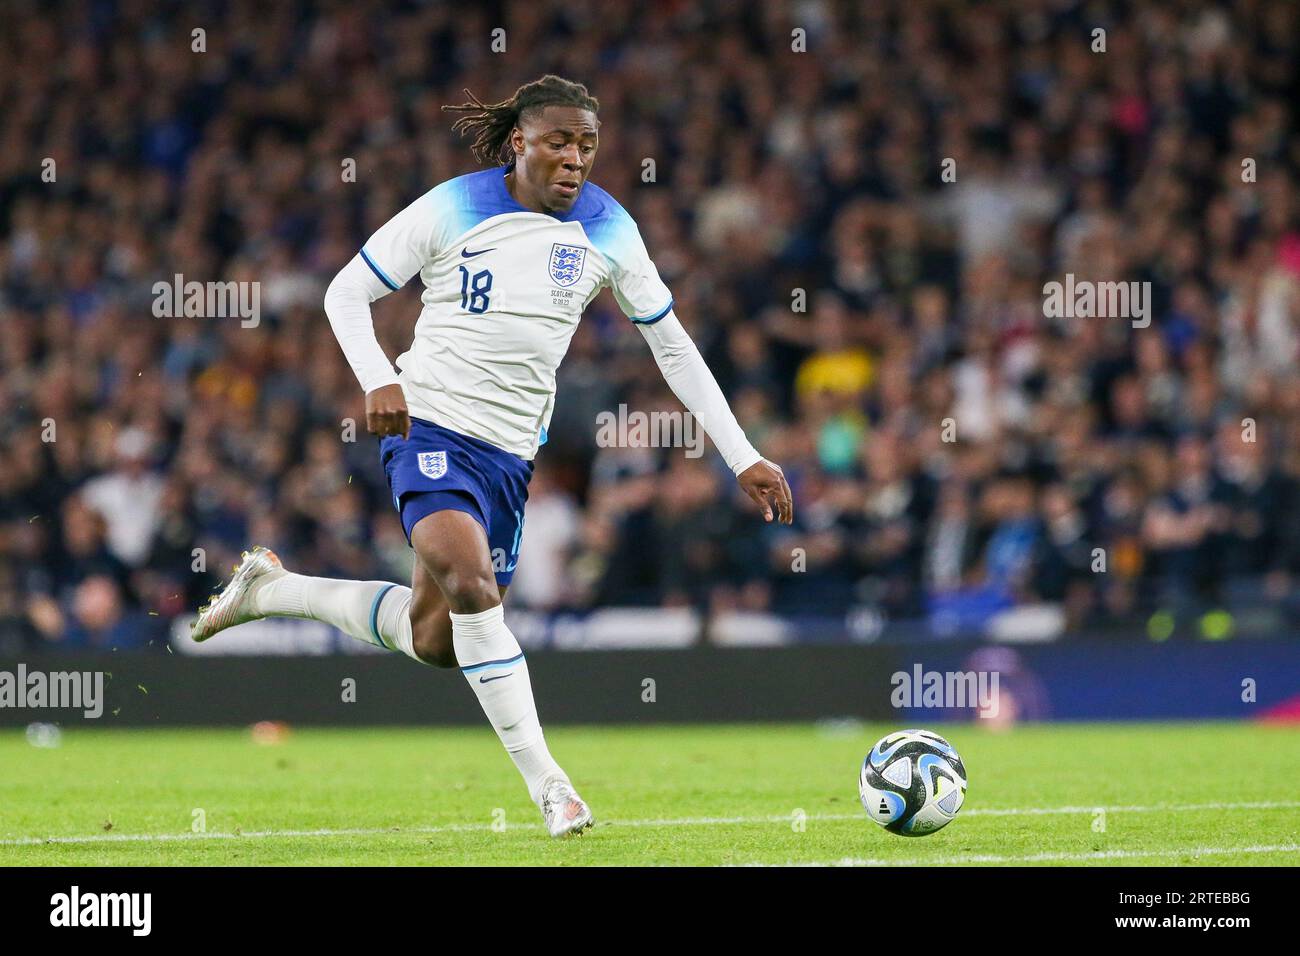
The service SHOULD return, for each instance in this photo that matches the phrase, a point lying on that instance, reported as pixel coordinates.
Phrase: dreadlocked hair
(492, 123)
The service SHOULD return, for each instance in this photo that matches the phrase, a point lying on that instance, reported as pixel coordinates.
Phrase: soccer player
(509, 258)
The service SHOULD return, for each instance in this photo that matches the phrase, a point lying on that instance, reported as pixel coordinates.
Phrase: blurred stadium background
(774, 171)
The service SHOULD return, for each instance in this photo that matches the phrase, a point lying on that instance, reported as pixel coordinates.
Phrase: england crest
(567, 263)
(433, 464)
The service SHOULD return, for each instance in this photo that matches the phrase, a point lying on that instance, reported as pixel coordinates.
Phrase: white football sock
(377, 612)
(492, 662)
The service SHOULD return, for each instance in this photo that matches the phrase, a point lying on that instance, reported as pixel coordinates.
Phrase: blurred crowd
(857, 235)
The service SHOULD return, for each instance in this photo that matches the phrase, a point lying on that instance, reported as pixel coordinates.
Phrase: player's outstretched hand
(386, 412)
(765, 482)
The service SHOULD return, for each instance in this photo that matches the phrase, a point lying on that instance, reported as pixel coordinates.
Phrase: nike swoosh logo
(488, 680)
(466, 254)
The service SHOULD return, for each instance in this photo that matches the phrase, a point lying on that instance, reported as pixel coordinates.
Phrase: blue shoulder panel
(606, 223)
(466, 201)
(482, 195)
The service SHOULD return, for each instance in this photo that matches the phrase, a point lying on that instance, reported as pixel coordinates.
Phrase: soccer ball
(912, 783)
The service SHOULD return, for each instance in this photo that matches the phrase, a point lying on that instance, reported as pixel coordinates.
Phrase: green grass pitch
(1210, 794)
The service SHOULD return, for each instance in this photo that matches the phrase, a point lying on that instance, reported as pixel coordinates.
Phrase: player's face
(554, 153)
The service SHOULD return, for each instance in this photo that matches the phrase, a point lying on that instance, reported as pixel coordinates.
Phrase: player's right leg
(412, 620)
(377, 612)
(450, 616)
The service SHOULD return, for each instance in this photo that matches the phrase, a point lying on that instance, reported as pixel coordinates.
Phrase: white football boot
(233, 605)
(563, 810)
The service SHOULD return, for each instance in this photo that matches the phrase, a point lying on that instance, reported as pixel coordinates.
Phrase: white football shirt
(504, 288)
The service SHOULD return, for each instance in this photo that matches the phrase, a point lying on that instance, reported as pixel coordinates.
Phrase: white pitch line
(1153, 808)
(1047, 857)
(680, 822)
(985, 812)
(252, 834)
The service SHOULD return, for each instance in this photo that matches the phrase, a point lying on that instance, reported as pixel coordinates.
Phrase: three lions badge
(567, 263)
(433, 464)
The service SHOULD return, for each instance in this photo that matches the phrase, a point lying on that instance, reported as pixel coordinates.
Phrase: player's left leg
(452, 547)
(431, 619)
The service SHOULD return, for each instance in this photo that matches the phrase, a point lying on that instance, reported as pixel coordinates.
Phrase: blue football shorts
(437, 469)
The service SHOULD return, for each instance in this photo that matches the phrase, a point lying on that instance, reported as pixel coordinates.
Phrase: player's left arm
(687, 374)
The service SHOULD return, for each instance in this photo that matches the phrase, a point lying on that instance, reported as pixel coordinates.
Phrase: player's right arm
(347, 303)
(385, 263)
